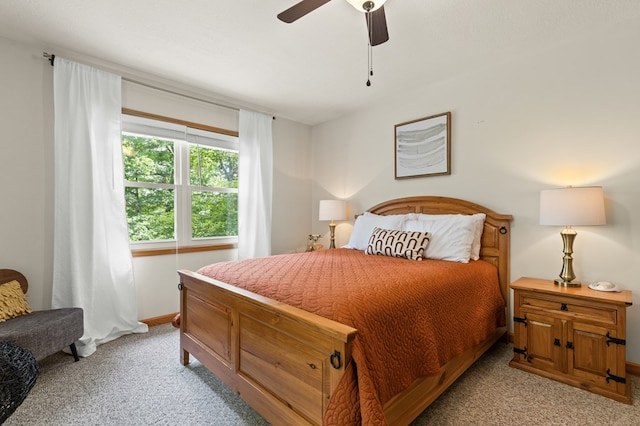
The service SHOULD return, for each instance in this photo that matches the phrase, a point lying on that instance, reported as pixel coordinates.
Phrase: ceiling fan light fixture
(366, 5)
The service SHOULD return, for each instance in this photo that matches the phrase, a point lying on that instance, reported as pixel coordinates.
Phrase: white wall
(291, 186)
(566, 115)
(26, 178)
(26, 167)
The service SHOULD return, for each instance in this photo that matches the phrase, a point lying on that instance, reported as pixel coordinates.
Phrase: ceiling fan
(374, 14)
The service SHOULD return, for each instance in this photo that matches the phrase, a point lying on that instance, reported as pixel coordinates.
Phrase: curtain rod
(52, 57)
(150, 86)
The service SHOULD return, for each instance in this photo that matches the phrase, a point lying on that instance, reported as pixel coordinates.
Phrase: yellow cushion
(13, 302)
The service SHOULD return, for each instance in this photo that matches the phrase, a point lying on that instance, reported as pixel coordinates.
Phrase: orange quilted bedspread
(411, 316)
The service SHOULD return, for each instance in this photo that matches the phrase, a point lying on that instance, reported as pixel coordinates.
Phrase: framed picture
(423, 147)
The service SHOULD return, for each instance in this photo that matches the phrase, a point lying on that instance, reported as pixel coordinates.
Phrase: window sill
(181, 250)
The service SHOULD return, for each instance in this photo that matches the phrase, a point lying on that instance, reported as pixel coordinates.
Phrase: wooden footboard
(283, 361)
(279, 358)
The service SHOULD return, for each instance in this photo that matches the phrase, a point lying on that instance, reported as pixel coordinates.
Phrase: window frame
(184, 134)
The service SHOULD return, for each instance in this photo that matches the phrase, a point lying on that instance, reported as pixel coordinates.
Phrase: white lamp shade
(332, 210)
(358, 4)
(572, 206)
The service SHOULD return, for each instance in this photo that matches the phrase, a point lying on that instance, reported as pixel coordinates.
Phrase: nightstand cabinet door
(543, 342)
(591, 358)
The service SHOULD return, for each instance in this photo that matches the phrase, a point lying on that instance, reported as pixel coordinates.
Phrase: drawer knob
(563, 307)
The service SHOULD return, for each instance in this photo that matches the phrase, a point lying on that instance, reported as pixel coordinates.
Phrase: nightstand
(574, 335)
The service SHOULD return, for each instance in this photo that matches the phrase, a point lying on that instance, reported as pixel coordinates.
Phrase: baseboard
(632, 368)
(164, 319)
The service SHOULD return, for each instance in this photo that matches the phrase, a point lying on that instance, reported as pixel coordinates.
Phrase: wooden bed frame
(282, 360)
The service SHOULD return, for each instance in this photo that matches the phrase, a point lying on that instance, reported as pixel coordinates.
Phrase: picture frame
(423, 147)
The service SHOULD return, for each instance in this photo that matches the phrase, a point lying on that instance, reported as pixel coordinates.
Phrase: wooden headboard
(495, 237)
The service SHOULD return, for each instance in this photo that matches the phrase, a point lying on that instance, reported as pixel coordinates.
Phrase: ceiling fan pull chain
(369, 52)
(369, 69)
(370, 66)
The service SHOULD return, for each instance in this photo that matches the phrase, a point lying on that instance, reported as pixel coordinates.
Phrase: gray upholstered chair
(45, 332)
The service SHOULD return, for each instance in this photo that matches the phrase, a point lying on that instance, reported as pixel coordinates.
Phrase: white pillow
(365, 223)
(452, 236)
(478, 219)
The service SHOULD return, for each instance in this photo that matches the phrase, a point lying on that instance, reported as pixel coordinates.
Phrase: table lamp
(332, 210)
(571, 207)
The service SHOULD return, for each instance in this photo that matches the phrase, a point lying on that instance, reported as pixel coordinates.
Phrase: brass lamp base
(566, 275)
(332, 230)
(562, 283)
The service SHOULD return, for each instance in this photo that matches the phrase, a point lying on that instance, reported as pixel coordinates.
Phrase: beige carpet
(492, 393)
(138, 380)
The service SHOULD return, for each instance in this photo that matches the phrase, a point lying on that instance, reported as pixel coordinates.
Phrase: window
(181, 184)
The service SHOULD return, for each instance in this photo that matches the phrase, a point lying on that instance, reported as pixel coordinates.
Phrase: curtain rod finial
(50, 57)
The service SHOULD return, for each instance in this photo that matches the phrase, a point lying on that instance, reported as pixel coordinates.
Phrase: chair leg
(74, 351)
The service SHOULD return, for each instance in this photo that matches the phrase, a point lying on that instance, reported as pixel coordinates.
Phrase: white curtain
(255, 184)
(92, 265)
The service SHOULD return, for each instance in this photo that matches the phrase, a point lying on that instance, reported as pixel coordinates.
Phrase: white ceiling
(314, 69)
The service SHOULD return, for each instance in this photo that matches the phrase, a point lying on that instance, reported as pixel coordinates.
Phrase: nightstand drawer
(605, 315)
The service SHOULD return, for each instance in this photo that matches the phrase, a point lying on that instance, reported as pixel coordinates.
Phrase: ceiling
(314, 69)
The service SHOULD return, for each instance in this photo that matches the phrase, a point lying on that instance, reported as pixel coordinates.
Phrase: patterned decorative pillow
(405, 244)
(13, 302)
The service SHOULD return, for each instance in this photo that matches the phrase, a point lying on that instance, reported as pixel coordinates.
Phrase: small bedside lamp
(571, 207)
(332, 210)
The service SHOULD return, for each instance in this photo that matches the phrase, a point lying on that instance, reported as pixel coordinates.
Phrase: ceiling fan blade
(298, 10)
(377, 26)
